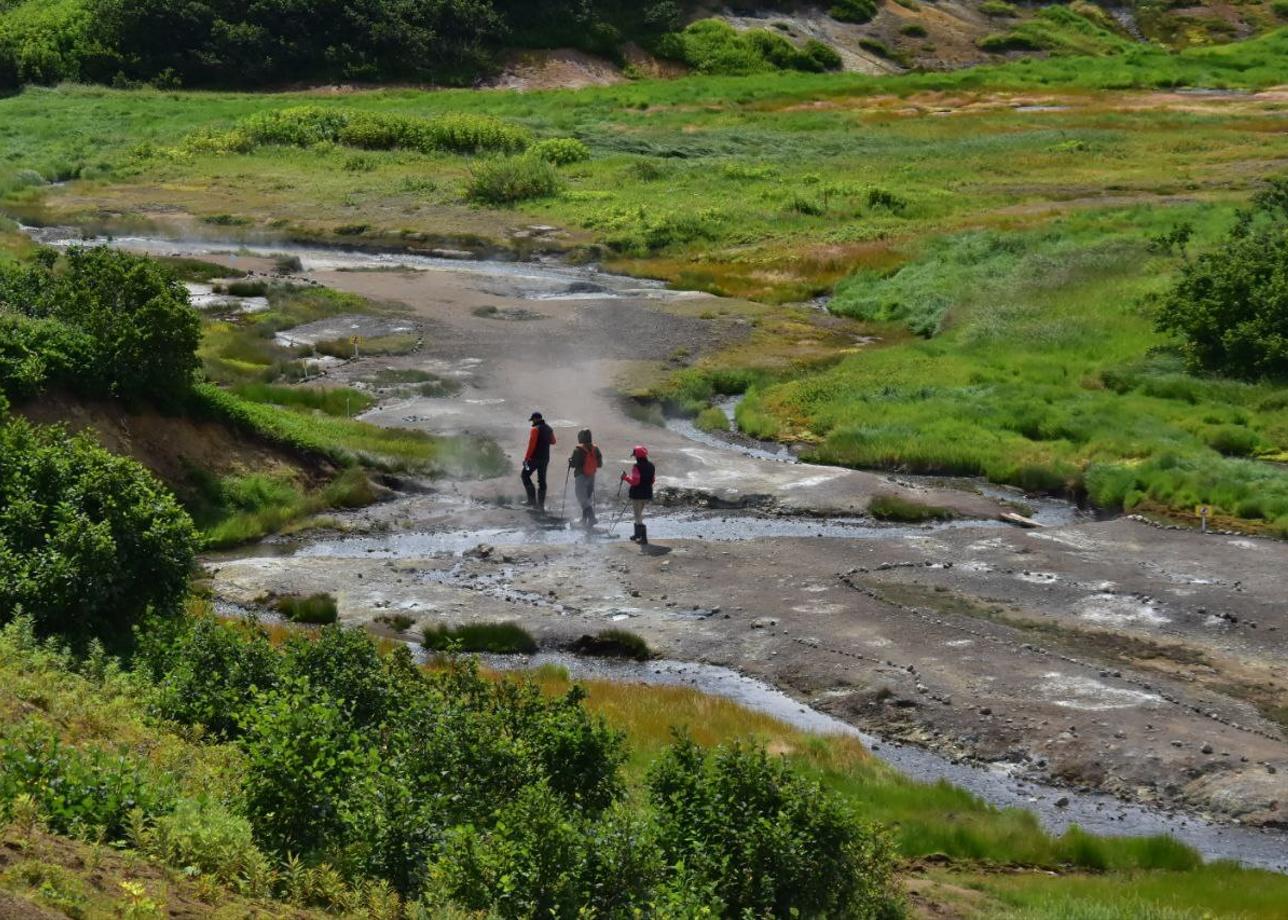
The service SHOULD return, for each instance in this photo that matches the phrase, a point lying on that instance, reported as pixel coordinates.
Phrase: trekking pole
(622, 511)
(563, 506)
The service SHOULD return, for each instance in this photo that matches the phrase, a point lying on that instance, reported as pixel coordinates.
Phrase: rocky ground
(1106, 655)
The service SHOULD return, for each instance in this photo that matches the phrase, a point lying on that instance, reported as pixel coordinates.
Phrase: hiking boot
(643, 538)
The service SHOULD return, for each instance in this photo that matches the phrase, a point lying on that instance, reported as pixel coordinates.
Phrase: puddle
(1098, 814)
(204, 297)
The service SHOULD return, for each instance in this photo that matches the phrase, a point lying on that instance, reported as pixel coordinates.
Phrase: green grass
(489, 638)
(237, 509)
(313, 610)
(1044, 372)
(894, 508)
(712, 419)
(338, 401)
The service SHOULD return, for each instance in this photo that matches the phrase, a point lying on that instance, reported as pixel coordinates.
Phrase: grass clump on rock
(314, 610)
(906, 511)
(486, 638)
(613, 643)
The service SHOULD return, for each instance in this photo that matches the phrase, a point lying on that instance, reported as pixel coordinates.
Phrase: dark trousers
(535, 495)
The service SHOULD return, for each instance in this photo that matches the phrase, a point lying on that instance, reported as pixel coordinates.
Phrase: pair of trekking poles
(621, 513)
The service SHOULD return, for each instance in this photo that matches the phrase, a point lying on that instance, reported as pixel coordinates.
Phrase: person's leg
(583, 486)
(639, 510)
(527, 486)
(590, 500)
(541, 485)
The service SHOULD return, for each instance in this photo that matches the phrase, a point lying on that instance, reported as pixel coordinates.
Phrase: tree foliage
(236, 42)
(89, 542)
(1230, 305)
(101, 321)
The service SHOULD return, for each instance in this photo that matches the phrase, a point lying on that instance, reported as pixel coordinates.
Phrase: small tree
(1230, 306)
(138, 333)
(767, 841)
(89, 542)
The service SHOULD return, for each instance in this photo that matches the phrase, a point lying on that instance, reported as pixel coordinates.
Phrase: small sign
(1202, 510)
(353, 341)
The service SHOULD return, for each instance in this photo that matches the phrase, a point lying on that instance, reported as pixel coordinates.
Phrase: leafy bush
(207, 673)
(712, 46)
(560, 150)
(135, 333)
(914, 30)
(78, 791)
(789, 847)
(1280, 8)
(853, 10)
(512, 179)
(1230, 306)
(316, 609)
(493, 638)
(310, 125)
(89, 542)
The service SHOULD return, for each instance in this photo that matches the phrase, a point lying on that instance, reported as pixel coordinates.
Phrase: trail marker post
(1203, 512)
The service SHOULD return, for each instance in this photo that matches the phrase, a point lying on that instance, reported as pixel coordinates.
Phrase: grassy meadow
(991, 228)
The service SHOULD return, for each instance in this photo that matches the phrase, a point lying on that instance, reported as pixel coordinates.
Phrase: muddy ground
(1106, 655)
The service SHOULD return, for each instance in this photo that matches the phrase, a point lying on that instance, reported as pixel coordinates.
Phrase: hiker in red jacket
(537, 460)
(585, 462)
(640, 479)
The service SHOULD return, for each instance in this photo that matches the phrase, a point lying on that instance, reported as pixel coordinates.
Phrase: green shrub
(138, 334)
(999, 8)
(247, 288)
(1230, 306)
(1232, 440)
(789, 848)
(914, 30)
(1280, 8)
(309, 126)
(853, 10)
(712, 418)
(713, 46)
(1001, 43)
(491, 638)
(345, 665)
(83, 792)
(206, 672)
(560, 151)
(315, 609)
(510, 180)
(877, 47)
(90, 543)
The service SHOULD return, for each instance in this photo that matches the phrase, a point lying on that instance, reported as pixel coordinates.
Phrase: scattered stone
(1062, 802)
(763, 623)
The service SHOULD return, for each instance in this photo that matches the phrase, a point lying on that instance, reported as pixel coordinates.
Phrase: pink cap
(639, 451)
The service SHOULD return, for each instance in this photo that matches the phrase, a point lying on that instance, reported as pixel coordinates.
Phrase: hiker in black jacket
(537, 460)
(640, 479)
(585, 462)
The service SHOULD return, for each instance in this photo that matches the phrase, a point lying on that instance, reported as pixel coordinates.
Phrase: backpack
(592, 460)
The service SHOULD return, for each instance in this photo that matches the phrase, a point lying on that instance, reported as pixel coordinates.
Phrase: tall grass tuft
(485, 638)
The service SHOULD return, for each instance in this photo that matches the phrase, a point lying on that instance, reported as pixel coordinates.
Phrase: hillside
(222, 43)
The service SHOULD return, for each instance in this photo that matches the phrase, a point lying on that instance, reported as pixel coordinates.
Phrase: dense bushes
(712, 46)
(89, 542)
(235, 43)
(560, 150)
(1230, 306)
(306, 126)
(101, 321)
(767, 842)
(485, 794)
